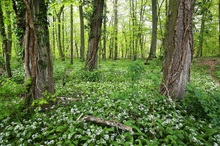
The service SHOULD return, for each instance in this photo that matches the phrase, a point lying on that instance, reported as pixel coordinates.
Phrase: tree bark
(154, 31)
(35, 41)
(82, 35)
(71, 34)
(116, 29)
(104, 32)
(6, 42)
(178, 49)
(61, 54)
(219, 26)
(95, 33)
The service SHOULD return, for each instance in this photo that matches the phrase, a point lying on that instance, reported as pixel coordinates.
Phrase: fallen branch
(109, 123)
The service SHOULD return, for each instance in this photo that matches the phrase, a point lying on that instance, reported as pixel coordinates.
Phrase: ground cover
(118, 104)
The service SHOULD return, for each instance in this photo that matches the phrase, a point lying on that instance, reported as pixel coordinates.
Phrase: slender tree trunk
(116, 29)
(61, 54)
(71, 34)
(154, 31)
(77, 49)
(6, 42)
(219, 27)
(82, 36)
(35, 39)
(95, 33)
(133, 19)
(63, 34)
(54, 37)
(105, 32)
(200, 49)
(179, 49)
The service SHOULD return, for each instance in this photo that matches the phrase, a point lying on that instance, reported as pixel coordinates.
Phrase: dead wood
(107, 122)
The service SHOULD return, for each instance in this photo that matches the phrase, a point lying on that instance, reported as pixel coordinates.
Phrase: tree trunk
(219, 26)
(179, 49)
(71, 34)
(61, 54)
(105, 32)
(95, 33)
(116, 29)
(35, 39)
(154, 31)
(202, 28)
(6, 38)
(6, 42)
(82, 36)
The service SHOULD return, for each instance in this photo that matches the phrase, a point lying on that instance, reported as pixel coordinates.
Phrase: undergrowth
(120, 92)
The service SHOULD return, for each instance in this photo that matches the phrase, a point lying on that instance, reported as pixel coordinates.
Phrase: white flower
(106, 137)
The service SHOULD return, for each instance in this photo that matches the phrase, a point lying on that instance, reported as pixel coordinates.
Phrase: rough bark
(95, 33)
(178, 49)
(35, 41)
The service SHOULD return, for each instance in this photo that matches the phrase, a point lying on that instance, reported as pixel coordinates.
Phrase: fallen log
(107, 122)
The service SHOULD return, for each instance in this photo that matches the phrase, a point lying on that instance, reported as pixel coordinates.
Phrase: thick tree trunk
(154, 31)
(82, 36)
(95, 33)
(37, 60)
(179, 49)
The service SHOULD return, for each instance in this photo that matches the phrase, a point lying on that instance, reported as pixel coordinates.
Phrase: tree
(116, 29)
(219, 27)
(154, 31)
(104, 32)
(61, 54)
(34, 38)
(178, 49)
(71, 34)
(7, 42)
(94, 35)
(205, 6)
(82, 36)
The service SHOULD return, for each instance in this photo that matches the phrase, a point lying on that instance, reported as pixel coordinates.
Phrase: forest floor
(117, 104)
(213, 63)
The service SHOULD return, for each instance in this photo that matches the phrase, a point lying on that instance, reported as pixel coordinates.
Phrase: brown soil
(211, 62)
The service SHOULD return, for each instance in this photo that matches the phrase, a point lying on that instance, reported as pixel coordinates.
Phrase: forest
(110, 72)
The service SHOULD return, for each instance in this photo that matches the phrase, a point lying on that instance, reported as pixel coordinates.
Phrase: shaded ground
(212, 63)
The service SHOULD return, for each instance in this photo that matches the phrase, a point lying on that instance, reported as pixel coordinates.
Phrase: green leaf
(61, 128)
(50, 137)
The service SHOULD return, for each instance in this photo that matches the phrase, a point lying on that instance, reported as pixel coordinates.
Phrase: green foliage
(203, 104)
(86, 75)
(153, 118)
(47, 99)
(10, 97)
(135, 70)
